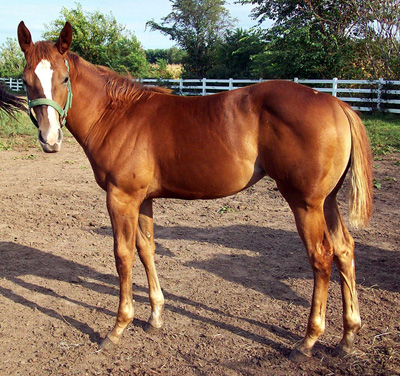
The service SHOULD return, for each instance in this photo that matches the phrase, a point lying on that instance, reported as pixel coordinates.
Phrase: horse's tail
(361, 183)
(10, 103)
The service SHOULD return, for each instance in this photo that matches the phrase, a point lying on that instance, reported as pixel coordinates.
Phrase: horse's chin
(51, 148)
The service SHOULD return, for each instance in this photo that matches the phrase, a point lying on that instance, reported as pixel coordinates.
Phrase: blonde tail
(361, 190)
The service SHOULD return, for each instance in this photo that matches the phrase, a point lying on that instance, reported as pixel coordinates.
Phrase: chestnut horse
(144, 143)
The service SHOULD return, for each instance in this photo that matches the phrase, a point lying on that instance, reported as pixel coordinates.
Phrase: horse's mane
(120, 89)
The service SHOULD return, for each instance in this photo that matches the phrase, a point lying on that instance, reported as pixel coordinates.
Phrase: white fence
(13, 84)
(362, 95)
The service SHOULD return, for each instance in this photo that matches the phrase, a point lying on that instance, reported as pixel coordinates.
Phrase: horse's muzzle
(54, 148)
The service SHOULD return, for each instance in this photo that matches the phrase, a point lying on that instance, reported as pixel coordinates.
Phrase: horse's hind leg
(146, 249)
(344, 260)
(310, 222)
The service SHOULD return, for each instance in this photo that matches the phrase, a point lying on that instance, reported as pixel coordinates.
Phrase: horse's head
(46, 77)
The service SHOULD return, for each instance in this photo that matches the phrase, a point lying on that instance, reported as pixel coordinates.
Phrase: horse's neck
(88, 103)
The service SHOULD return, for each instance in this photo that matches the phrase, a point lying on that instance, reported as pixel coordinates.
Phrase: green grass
(384, 132)
(16, 133)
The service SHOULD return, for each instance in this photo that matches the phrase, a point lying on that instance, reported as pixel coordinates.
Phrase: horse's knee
(316, 327)
(125, 314)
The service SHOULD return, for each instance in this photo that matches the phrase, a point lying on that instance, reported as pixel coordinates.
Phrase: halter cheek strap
(48, 102)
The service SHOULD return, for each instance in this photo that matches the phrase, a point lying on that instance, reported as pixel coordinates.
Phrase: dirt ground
(234, 273)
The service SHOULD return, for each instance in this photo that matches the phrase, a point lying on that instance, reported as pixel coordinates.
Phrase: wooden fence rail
(362, 95)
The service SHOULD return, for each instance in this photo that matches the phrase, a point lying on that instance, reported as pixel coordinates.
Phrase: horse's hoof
(107, 344)
(341, 351)
(148, 328)
(298, 356)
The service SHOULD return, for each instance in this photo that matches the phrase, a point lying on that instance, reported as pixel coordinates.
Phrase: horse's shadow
(19, 260)
(279, 254)
(375, 267)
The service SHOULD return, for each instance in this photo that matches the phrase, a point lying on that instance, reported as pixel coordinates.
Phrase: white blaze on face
(45, 74)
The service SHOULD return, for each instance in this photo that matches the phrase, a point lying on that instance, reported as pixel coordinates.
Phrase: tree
(99, 39)
(196, 26)
(309, 39)
(325, 38)
(380, 29)
(126, 54)
(236, 54)
(12, 60)
(172, 55)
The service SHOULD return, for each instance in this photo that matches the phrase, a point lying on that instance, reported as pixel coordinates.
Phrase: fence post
(230, 83)
(203, 88)
(180, 86)
(380, 87)
(296, 80)
(334, 87)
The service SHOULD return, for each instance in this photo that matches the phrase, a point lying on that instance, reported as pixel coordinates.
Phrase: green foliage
(305, 52)
(380, 45)
(377, 184)
(324, 38)
(99, 39)
(196, 26)
(236, 53)
(127, 55)
(173, 55)
(160, 70)
(12, 60)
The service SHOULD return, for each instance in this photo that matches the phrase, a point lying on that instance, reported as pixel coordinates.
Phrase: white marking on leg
(45, 74)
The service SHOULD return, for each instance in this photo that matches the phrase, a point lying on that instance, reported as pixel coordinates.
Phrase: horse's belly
(212, 181)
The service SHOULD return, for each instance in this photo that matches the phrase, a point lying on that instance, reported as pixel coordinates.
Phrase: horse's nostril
(60, 135)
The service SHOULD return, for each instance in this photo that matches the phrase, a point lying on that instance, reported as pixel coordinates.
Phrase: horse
(9, 103)
(145, 143)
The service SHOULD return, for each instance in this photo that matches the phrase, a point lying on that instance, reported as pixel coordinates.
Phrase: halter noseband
(48, 102)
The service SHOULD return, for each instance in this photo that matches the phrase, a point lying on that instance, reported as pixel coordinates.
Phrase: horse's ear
(24, 37)
(65, 39)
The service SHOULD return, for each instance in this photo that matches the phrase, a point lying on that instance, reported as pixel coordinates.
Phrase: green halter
(48, 102)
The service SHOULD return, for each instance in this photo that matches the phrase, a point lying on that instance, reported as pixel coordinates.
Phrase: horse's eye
(66, 80)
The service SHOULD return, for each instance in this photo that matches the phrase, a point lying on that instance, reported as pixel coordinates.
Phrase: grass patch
(384, 132)
(16, 133)
(21, 133)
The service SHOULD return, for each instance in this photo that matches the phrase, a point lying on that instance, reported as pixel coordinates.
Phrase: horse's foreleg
(124, 212)
(344, 260)
(312, 230)
(146, 249)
